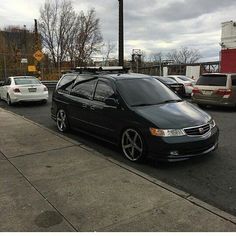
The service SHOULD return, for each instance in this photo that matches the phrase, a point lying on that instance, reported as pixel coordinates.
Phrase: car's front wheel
(62, 121)
(133, 146)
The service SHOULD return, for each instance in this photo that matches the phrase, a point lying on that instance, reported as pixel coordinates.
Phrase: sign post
(121, 33)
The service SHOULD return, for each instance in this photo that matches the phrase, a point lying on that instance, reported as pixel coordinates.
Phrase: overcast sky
(151, 25)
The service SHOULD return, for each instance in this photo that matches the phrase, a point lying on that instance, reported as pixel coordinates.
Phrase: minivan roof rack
(102, 69)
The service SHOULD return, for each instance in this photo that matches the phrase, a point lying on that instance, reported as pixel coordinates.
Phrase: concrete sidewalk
(51, 183)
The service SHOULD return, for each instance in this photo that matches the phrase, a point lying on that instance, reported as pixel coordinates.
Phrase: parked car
(178, 88)
(215, 89)
(135, 111)
(186, 81)
(23, 88)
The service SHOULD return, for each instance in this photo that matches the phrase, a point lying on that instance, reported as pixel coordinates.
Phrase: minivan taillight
(224, 92)
(16, 90)
(196, 90)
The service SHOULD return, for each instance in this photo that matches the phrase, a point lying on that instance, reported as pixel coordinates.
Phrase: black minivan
(135, 111)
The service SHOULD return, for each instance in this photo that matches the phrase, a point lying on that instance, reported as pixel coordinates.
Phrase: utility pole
(121, 33)
(37, 48)
(36, 36)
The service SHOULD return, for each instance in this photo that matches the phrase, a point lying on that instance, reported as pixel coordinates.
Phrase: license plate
(208, 93)
(31, 90)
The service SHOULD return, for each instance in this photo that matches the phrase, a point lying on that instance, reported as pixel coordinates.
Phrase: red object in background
(228, 61)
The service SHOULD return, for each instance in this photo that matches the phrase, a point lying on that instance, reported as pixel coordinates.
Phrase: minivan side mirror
(111, 102)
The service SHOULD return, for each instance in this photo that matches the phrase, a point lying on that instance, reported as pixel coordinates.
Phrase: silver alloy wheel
(61, 120)
(132, 145)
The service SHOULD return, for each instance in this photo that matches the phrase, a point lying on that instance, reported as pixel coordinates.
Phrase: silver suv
(215, 89)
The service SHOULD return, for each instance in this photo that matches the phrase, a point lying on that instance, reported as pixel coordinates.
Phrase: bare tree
(184, 55)
(88, 39)
(56, 25)
(68, 35)
(156, 57)
(107, 49)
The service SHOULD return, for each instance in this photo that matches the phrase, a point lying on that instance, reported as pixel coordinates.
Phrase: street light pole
(121, 33)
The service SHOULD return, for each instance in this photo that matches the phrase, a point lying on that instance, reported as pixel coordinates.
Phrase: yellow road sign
(32, 68)
(38, 55)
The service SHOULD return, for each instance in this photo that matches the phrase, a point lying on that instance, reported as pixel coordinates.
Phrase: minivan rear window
(212, 80)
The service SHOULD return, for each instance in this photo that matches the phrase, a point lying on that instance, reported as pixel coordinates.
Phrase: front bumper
(182, 148)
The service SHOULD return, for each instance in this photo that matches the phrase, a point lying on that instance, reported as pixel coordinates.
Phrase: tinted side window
(103, 91)
(66, 83)
(233, 77)
(8, 81)
(84, 88)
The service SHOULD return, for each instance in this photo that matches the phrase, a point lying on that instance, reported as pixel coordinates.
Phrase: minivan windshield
(145, 92)
(212, 80)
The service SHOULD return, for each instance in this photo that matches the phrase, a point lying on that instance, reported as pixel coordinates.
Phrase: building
(228, 47)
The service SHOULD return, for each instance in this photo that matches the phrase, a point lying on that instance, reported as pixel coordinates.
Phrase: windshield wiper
(171, 101)
(144, 105)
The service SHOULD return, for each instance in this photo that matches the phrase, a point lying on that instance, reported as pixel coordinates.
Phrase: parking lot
(211, 178)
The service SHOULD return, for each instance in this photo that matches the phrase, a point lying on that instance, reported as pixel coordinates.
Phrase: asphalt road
(211, 178)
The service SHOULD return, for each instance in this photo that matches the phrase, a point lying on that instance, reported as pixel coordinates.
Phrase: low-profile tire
(62, 121)
(133, 145)
(9, 103)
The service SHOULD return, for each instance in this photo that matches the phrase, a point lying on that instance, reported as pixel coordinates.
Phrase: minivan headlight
(167, 132)
(212, 124)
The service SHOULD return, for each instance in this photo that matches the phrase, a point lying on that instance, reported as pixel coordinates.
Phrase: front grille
(196, 131)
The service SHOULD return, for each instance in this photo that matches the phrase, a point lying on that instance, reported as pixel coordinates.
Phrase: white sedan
(23, 88)
(186, 81)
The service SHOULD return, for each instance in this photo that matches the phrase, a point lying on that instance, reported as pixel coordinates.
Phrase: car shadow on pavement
(24, 104)
(219, 109)
(179, 164)
(30, 104)
(112, 151)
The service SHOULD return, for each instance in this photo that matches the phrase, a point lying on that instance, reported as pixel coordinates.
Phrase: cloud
(151, 25)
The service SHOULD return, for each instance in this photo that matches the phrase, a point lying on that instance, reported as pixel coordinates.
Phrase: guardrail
(51, 84)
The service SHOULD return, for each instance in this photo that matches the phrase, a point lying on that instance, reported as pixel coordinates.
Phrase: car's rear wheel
(62, 121)
(44, 101)
(133, 146)
(9, 103)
